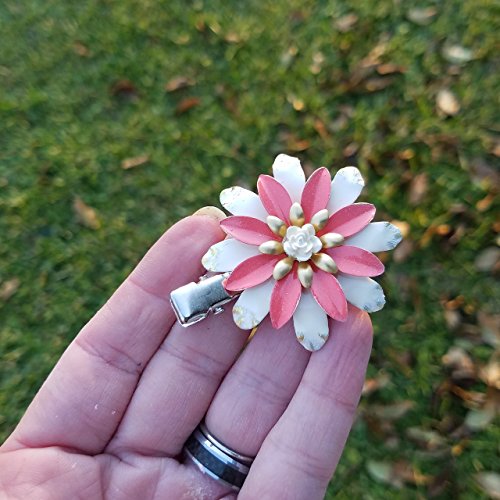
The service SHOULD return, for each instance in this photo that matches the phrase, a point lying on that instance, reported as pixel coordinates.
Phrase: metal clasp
(195, 301)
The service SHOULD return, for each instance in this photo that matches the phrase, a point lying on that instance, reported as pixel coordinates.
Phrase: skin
(112, 417)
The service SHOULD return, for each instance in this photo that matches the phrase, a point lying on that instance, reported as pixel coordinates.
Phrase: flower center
(301, 243)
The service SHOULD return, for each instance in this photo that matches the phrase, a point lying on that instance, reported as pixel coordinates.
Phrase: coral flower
(301, 250)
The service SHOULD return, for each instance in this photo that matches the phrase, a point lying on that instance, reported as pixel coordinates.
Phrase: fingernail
(214, 212)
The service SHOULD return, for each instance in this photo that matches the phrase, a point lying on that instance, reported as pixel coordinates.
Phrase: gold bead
(297, 215)
(276, 225)
(305, 274)
(282, 268)
(330, 240)
(320, 219)
(325, 262)
(271, 247)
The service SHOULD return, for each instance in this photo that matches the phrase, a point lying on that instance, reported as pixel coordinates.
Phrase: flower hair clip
(298, 250)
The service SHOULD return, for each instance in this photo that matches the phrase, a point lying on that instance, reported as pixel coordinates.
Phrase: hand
(111, 419)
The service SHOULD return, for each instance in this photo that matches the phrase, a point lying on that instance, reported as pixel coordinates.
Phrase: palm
(111, 420)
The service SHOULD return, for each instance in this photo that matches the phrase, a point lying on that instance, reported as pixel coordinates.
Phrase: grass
(335, 83)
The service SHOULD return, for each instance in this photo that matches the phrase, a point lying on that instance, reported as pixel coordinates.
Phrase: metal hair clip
(298, 251)
(193, 302)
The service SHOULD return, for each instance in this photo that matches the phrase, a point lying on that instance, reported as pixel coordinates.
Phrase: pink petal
(329, 295)
(247, 229)
(356, 261)
(284, 299)
(274, 197)
(350, 220)
(252, 272)
(316, 192)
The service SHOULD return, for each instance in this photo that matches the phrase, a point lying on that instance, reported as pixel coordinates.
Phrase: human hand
(111, 419)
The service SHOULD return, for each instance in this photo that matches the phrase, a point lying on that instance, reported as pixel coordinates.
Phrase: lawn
(119, 117)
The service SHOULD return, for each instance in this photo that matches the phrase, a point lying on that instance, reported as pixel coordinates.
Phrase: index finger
(85, 396)
(300, 454)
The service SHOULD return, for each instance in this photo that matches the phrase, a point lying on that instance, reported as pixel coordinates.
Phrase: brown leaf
(375, 84)
(134, 162)
(421, 16)
(490, 483)
(177, 83)
(390, 68)
(187, 104)
(403, 251)
(81, 49)
(321, 129)
(418, 189)
(490, 328)
(124, 88)
(488, 259)
(374, 384)
(87, 216)
(447, 102)
(9, 288)
(392, 411)
(460, 363)
(346, 23)
(351, 149)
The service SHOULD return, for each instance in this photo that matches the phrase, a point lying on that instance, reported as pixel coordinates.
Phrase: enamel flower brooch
(301, 250)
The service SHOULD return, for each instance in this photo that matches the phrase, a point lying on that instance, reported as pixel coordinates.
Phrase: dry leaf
(418, 189)
(187, 104)
(403, 251)
(375, 84)
(351, 149)
(81, 49)
(86, 214)
(490, 483)
(389, 68)
(447, 102)
(490, 328)
(134, 162)
(374, 384)
(457, 54)
(487, 260)
(393, 411)
(9, 288)
(423, 16)
(460, 363)
(124, 88)
(345, 23)
(177, 83)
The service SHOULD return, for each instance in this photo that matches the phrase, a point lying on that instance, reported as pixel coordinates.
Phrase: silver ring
(215, 459)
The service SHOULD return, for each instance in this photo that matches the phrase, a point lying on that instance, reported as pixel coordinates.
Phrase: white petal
(241, 201)
(376, 237)
(253, 305)
(310, 323)
(363, 293)
(346, 187)
(288, 171)
(317, 245)
(227, 254)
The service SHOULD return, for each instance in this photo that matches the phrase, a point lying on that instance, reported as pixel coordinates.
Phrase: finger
(85, 396)
(257, 389)
(299, 456)
(177, 386)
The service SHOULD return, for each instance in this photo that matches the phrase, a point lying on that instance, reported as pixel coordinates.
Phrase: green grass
(82, 89)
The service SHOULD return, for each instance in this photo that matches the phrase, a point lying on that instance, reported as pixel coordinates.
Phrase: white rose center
(301, 243)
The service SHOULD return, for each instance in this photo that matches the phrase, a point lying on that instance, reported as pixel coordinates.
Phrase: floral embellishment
(301, 250)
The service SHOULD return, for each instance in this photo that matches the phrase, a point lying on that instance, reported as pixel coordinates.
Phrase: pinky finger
(300, 454)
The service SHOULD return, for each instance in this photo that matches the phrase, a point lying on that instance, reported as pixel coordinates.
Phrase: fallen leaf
(447, 102)
(382, 472)
(477, 420)
(453, 319)
(490, 328)
(87, 216)
(374, 384)
(9, 288)
(430, 439)
(232, 37)
(418, 189)
(490, 483)
(134, 162)
(457, 54)
(346, 23)
(187, 104)
(351, 149)
(393, 411)
(321, 129)
(124, 88)
(422, 17)
(488, 259)
(177, 83)
(403, 226)
(490, 373)
(460, 363)
(403, 251)
(81, 49)
(389, 68)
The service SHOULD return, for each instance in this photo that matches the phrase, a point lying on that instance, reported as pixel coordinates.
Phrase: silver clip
(195, 301)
